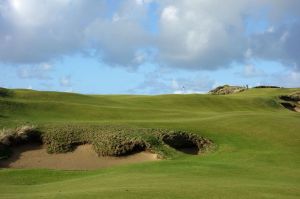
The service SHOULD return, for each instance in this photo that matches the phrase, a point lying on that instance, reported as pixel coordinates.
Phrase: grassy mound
(226, 89)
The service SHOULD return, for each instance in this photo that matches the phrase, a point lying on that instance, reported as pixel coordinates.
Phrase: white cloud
(250, 71)
(65, 81)
(169, 14)
(163, 81)
(40, 71)
(248, 54)
(142, 2)
(281, 45)
(289, 79)
(192, 34)
(205, 35)
(201, 35)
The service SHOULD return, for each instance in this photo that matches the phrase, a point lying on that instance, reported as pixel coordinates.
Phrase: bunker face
(182, 142)
(292, 101)
(192, 150)
(82, 158)
(291, 107)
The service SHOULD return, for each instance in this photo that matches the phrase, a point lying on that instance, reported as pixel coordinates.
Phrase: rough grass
(257, 154)
(20, 135)
(295, 96)
(106, 140)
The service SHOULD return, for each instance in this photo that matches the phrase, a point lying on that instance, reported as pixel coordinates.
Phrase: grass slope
(257, 156)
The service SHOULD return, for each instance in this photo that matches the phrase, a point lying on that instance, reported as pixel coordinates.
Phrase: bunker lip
(186, 142)
(82, 158)
(290, 106)
(292, 101)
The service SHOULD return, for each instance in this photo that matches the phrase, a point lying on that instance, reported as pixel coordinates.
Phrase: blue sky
(148, 46)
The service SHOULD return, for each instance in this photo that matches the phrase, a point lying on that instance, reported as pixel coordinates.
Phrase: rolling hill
(257, 139)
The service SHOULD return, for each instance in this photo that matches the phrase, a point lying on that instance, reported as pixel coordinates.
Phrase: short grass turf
(257, 154)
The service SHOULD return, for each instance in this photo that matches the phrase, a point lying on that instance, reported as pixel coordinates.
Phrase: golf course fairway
(256, 145)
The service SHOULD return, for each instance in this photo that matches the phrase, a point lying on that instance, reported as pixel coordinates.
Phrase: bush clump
(118, 145)
(5, 92)
(106, 140)
(21, 135)
(64, 138)
(266, 86)
(13, 137)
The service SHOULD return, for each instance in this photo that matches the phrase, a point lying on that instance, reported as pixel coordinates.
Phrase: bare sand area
(82, 158)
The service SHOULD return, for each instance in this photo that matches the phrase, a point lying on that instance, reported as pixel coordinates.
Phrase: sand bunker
(291, 101)
(185, 142)
(293, 107)
(82, 158)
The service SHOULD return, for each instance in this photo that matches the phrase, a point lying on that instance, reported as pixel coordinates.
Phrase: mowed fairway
(257, 154)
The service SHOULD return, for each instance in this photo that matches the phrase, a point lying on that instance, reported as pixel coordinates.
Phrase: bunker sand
(82, 158)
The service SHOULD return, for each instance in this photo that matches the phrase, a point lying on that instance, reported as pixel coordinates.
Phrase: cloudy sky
(148, 46)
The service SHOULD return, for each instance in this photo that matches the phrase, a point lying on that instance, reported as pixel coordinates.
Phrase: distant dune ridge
(226, 89)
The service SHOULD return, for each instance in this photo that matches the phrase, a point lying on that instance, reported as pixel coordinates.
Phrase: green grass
(257, 155)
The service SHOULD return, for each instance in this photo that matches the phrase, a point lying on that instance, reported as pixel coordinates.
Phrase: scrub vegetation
(106, 140)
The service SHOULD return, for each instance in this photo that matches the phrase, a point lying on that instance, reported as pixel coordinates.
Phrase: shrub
(266, 86)
(12, 137)
(118, 145)
(5, 92)
(20, 135)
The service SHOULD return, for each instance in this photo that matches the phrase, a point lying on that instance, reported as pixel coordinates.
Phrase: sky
(148, 46)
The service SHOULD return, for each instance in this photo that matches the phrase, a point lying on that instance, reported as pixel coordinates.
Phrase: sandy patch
(83, 158)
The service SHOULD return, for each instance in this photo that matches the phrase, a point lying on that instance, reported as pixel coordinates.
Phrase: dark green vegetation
(257, 154)
(5, 92)
(266, 87)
